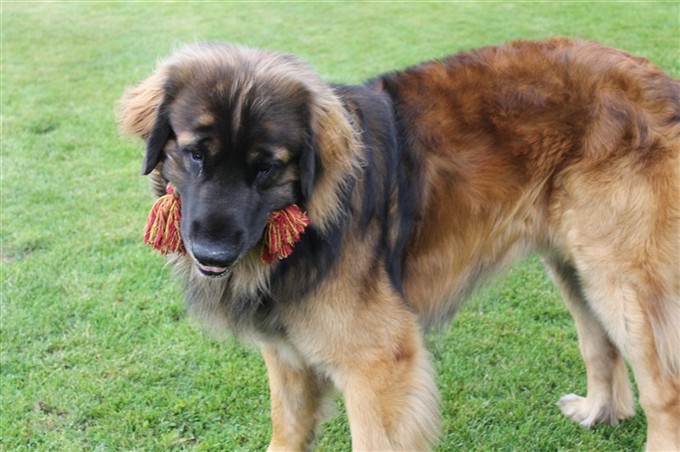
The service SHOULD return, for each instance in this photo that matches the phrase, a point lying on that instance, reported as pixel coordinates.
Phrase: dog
(419, 185)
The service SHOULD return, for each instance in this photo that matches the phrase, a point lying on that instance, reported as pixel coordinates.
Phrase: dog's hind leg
(622, 237)
(609, 398)
(623, 302)
(297, 398)
(640, 320)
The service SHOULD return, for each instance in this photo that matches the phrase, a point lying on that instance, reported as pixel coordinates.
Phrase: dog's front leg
(297, 395)
(391, 397)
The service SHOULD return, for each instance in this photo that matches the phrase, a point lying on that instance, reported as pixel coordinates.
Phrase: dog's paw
(578, 408)
(588, 412)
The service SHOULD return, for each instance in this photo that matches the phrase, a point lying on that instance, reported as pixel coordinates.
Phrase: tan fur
(138, 106)
(566, 148)
(297, 398)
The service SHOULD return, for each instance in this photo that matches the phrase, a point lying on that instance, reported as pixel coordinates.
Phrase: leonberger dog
(419, 185)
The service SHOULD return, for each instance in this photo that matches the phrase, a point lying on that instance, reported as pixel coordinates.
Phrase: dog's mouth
(211, 271)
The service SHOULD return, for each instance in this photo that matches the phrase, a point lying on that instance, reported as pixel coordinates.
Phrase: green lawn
(97, 352)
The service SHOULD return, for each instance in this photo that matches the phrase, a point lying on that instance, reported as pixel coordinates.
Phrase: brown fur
(567, 148)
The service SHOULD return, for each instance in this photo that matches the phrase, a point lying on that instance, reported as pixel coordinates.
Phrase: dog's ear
(332, 156)
(160, 133)
(309, 165)
(142, 114)
(139, 106)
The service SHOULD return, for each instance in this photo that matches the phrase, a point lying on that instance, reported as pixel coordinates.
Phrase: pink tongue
(207, 269)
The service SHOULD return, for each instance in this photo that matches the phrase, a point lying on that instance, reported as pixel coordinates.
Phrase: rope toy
(284, 228)
(162, 230)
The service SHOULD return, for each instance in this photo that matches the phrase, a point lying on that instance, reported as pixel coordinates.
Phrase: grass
(96, 350)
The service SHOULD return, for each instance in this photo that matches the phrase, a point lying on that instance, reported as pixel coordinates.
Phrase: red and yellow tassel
(284, 228)
(162, 230)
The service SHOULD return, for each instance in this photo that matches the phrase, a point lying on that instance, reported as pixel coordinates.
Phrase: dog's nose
(212, 257)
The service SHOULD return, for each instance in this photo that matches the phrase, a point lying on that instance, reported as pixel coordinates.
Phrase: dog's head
(240, 133)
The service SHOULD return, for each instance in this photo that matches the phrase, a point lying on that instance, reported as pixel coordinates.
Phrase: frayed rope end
(162, 231)
(283, 230)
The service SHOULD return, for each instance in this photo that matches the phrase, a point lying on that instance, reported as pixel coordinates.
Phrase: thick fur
(420, 184)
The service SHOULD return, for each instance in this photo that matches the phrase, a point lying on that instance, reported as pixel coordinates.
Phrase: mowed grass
(97, 352)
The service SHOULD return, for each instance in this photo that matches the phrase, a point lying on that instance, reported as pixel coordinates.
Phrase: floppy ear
(139, 106)
(142, 114)
(309, 164)
(160, 133)
(331, 160)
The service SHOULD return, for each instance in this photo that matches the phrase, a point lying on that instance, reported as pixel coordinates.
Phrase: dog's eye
(265, 169)
(196, 156)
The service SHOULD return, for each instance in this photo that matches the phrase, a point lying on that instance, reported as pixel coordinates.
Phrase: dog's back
(572, 149)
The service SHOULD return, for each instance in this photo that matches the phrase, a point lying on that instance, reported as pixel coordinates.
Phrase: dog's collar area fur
(284, 228)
